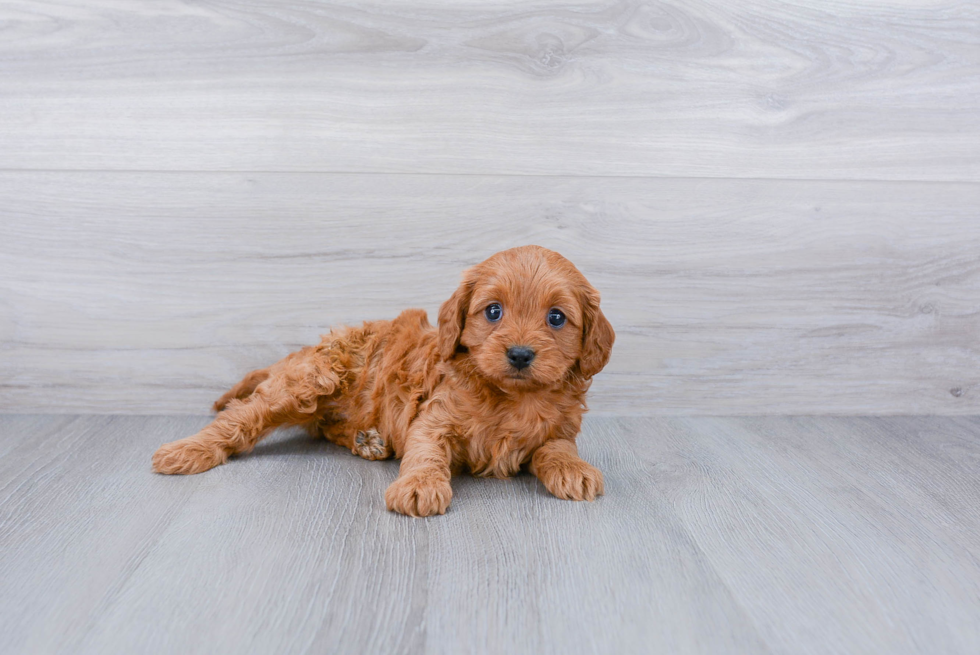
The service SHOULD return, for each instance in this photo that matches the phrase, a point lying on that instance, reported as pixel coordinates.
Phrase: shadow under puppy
(501, 383)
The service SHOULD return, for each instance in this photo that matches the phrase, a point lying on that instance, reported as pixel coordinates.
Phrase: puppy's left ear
(597, 335)
(452, 316)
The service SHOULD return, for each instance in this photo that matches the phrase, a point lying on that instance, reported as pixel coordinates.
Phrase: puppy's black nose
(520, 356)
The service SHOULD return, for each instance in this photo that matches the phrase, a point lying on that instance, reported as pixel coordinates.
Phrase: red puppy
(501, 383)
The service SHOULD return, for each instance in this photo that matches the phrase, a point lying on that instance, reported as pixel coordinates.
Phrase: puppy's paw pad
(369, 444)
(575, 480)
(186, 457)
(419, 496)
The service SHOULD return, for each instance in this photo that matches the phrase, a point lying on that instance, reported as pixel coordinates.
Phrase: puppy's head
(527, 318)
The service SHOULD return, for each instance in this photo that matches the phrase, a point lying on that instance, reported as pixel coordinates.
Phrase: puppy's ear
(597, 335)
(452, 316)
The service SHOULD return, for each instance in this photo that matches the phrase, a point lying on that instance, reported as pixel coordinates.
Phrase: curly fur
(443, 400)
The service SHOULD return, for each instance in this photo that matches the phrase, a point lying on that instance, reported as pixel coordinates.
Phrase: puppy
(501, 383)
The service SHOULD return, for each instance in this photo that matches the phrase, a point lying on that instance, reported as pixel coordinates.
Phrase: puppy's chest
(499, 446)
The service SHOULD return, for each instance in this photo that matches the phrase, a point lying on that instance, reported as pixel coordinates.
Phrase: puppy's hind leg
(369, 444)
(290, 395)
(242, 389)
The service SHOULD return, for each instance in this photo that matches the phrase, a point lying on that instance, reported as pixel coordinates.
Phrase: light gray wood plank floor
(716, 535)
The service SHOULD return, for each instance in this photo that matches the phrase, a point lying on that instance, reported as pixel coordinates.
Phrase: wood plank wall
(780, 202)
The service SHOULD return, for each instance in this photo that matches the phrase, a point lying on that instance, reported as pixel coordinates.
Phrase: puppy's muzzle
(520, 357)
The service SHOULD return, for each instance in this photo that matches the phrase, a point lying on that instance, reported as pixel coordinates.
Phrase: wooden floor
(716, 535)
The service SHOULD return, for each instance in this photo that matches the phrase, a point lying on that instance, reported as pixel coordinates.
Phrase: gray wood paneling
(715, 536)
(155, 291)
(188, 191)
(857, 90)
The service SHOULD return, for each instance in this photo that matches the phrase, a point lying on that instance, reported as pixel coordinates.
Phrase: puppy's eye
(493, 312)
(556, 318)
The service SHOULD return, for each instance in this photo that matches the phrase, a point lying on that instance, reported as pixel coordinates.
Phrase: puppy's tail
(243, 389)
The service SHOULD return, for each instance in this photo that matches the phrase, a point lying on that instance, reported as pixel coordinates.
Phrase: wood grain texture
(810, 520)
(716, 535)
(852, 90)
(155, 292)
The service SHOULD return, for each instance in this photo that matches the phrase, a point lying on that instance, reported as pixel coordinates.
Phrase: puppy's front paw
(572, 480)
(419, 495)
(187, 456)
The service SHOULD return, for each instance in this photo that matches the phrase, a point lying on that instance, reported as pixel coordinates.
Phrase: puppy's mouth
(520, 380)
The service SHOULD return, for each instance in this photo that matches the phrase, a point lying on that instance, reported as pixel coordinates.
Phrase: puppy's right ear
(452, 316)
